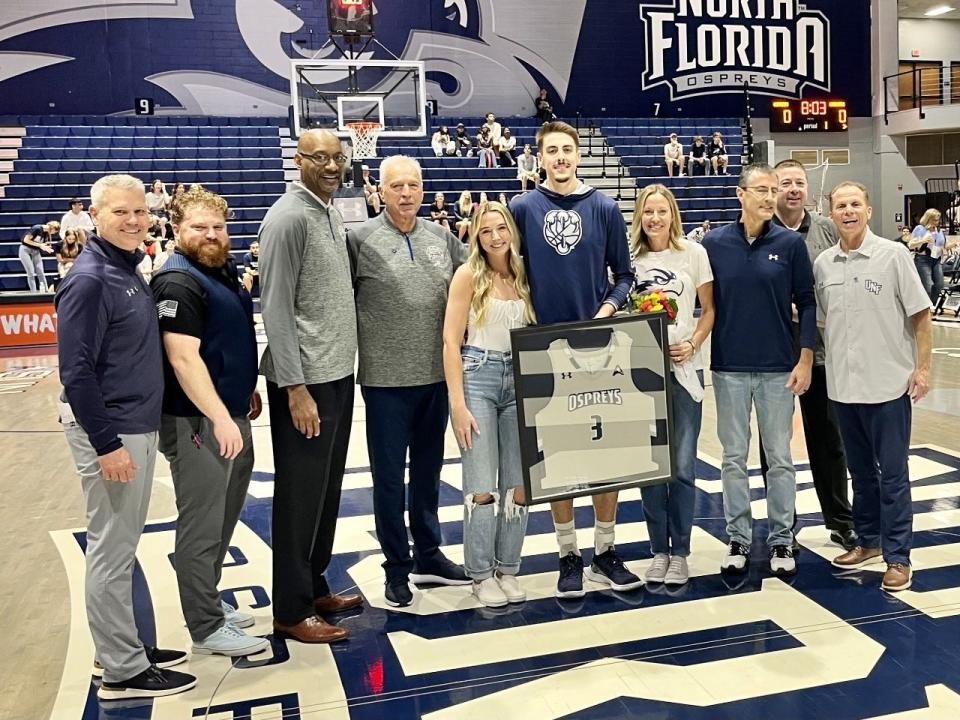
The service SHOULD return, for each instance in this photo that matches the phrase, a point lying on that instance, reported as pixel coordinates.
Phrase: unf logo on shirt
(562, 229)
(873, 286)
(579, 400)
(698, 47)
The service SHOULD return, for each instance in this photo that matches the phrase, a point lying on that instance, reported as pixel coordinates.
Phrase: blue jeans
(736, 394)
(931, 275)
(668, 508)
(877, 439)
(492, 533)
(398, 418)
(32, 261)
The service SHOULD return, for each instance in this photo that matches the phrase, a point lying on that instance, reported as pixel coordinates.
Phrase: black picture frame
(536, 395)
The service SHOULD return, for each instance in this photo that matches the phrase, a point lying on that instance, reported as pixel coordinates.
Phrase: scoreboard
(813, 115)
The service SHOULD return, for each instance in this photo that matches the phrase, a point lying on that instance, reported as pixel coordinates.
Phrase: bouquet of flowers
(654, 301)
(677, 331)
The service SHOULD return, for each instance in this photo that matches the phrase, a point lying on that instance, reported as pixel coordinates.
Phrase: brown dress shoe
(337, 603)
(858, 558)
(897, 577)
(311, 630)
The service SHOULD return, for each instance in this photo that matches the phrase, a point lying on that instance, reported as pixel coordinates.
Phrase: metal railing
(919, 88)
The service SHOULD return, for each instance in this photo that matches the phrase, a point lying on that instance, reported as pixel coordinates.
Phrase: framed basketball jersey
(593, 405)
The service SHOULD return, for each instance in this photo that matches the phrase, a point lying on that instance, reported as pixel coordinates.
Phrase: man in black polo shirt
(210, 372)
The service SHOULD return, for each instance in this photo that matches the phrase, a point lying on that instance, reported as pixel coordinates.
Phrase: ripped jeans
(492, 533)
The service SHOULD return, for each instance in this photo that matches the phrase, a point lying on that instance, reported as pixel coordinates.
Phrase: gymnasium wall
(601, 58)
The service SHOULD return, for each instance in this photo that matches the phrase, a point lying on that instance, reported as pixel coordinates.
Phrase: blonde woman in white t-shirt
(663, 259)
(488, 297)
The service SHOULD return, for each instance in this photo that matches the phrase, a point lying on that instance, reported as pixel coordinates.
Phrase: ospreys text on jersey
(611, 396)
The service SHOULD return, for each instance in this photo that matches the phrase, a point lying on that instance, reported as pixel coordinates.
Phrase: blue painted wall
(225, 57)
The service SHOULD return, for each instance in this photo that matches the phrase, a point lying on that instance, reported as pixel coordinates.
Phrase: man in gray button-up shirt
(309, 316)
(878, 336)
(402, 267)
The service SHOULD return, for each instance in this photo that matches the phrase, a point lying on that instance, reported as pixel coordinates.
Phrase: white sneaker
(658, 570)
(510, 587)
(677, 572)
(234, 617)
(782, 561)
(488, 592)
(230, 641)
(736, 559)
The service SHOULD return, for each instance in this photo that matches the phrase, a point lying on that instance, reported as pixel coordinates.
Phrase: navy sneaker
(440, 571)
(397, 593)
(570, 583)
(152, 682)
(608, 568)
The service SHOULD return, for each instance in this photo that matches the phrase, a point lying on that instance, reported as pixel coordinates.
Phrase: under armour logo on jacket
(132, 291)
(773, 257)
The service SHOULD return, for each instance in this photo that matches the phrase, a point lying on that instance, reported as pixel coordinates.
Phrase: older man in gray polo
(402, 267)
(878, 338)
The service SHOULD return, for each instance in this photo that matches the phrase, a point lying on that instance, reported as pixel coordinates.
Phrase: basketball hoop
(364, 136)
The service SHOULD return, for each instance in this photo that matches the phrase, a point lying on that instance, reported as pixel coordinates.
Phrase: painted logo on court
(563, 230)
(698, 47)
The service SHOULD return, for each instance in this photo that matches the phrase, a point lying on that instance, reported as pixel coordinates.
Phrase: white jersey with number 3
(598, 424)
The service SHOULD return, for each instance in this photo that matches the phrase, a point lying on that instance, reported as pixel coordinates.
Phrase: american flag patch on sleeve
(167, 308)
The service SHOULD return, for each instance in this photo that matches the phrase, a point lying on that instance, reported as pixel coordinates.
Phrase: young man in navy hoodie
(571, 236)
(760, 270)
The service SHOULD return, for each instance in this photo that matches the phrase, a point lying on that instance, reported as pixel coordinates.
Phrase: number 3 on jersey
(597, 427)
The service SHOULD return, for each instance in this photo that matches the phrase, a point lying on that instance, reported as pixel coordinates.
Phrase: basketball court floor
(824, 644)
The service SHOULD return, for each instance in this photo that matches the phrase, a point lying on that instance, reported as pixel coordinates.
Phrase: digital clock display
(813, 115)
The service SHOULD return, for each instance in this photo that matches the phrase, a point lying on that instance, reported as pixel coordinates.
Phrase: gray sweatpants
(210, 495)
(116, 513)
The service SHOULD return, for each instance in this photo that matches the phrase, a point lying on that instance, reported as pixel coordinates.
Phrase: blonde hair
(196, 196)
(464, 201)
(931, 216)
(639, 244)
(483, 274)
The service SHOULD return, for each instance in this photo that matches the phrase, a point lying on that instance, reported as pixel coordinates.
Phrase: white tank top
(501, 317)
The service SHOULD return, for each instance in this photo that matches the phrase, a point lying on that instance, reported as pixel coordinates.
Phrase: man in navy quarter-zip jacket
(110, 366)
(760, 271)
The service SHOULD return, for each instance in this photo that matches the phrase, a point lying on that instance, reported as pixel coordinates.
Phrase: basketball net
(821, 200)
(363, 136)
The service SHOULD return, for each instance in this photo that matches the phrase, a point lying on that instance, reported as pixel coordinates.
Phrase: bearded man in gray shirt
(308, 313)
(402, 267)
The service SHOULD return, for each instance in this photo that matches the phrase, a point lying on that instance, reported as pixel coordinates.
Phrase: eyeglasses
(324, 159)
(761, 190)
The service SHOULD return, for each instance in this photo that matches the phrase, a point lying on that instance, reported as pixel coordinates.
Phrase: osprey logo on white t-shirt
(563, 230)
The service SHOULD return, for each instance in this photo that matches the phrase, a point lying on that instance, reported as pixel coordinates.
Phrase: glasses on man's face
(761, 191)
(323, 159)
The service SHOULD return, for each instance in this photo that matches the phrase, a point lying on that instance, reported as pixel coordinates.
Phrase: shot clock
(809, 115)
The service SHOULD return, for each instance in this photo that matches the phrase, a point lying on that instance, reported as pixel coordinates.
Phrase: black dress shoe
(397, 593)
(847, 539)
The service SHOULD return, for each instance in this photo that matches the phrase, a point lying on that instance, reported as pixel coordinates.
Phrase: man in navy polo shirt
(210, 371)
(109, 351)
(760, 271)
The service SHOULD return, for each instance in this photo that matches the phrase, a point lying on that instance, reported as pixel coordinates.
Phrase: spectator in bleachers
(442, 144)
(490, 121)
(76, 218)
(696, 235)
(544, 108)
(928, 242)
(488, 158)
(251, 269)
(527, 169)
(502, 198)
(168, 248)
(698, 157)
(157, 199)
(463, 142)
(68, 250)
(673, 156)
(370, 191)
(463, 211)
(438, 211)
(717, 152)
(145, 265)
(178, 188)
(36, 243)
(662, 259)
(506, 148)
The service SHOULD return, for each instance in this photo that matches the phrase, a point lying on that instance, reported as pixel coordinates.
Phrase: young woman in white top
(488, 297)
(662, 258)
(157, 199)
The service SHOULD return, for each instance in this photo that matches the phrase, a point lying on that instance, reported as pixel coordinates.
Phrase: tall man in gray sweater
(402, 267)
(309, 316)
